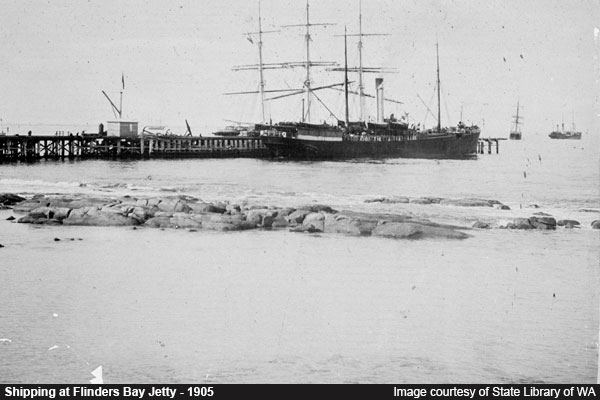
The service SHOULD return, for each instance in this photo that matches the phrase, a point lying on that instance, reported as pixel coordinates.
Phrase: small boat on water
(237, 130)
(515, 133)
(229, 130)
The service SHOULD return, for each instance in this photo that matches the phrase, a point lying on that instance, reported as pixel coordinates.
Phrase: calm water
(177, 306)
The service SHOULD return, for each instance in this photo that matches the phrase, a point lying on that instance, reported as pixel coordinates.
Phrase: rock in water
(256, 216)
(420, 200)
(297, 216)
(481, 225)
(350, 223)
(279, 222)
(99, 218)
(9, 199)
(314, 222)
(408, 230)
(226, 223)
(565, 222)
(396, 200)
(468, 202)
(520, 223)
(543, 223)
(158, 222)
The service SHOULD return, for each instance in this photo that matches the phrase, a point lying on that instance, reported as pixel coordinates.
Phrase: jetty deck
(55, 147)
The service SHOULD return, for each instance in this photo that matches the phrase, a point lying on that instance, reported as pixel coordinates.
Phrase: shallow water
(176, 306)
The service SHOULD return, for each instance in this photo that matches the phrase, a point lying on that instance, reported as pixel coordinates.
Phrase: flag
(250, 39)
(123, 80)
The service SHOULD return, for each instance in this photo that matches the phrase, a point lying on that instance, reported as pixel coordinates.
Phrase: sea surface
(173, 306)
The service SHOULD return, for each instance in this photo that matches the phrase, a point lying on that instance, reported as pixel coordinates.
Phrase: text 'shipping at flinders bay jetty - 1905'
(181, 391)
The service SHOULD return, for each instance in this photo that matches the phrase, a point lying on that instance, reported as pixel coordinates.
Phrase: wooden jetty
(489, 142)
(89, 146)
(98, 146)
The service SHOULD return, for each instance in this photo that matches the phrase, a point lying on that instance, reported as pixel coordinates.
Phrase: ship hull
(435, 147)
(559, 135)
(515, 136)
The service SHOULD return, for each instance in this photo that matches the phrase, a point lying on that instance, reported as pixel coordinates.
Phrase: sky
(176, 58)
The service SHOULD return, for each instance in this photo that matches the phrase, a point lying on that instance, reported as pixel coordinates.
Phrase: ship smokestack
(379, 91)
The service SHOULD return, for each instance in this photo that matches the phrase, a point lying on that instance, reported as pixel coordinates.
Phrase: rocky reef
(539, 220)
(186, 212)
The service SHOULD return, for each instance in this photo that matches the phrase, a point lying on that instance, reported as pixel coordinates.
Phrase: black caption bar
(370, 391)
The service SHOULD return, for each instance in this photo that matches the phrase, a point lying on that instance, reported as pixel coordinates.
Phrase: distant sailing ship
(515, 133)
(385, 138)
(562, 134)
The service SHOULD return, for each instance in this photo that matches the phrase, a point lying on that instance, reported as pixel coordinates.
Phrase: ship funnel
(379, 91)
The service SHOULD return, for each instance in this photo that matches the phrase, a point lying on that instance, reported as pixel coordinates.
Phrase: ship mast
(307, 81)
(517, 119)
(260, 67)
(361, 91)
(361, 68)
(307, 63)
(437, 51)
(346, 81)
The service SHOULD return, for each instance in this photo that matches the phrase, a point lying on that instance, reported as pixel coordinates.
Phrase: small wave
(37, 182)
(113, 185)
(589, 210)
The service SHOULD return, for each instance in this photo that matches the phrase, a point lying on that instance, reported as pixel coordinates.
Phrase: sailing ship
(384, 138)
(388, 137)
(562, 134)
(515, 133)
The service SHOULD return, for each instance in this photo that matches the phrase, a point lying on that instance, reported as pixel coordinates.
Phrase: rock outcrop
(568, 223)
(185, 212)
(481, 225)
(467, 202)
(409, 230)
(543, 223)
(193, 214)
(9, 199)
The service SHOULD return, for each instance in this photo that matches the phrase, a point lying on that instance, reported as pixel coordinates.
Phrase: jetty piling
(490, 142)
